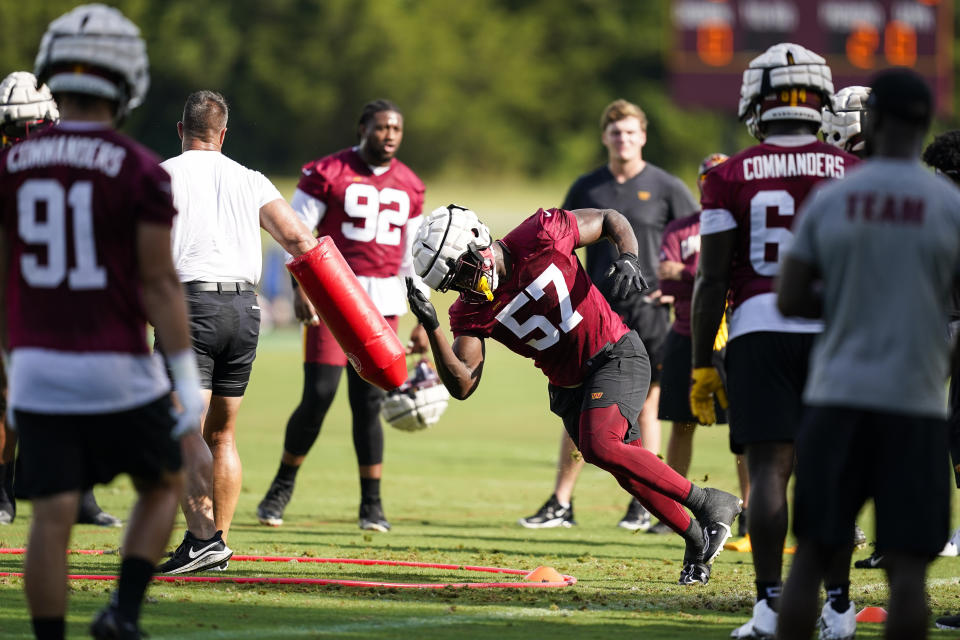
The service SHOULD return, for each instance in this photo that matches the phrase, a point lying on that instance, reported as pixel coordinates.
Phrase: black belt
(219, 287)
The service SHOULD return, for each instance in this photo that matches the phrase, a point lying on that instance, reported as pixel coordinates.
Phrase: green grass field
(453, 495)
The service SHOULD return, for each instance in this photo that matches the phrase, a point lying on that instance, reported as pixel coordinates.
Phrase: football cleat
(550, 515)
(694, 573)
(636, 518)
(6, 513)
(873, 561)
(719, 511)
(418, 403)
(952, 548)
(372, 517)
(109, 625)
(837, 626)
(762, 625)
(270, 510)
(950, 623)
(197, 555)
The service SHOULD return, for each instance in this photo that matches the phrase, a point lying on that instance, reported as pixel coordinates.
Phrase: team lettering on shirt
(784, 165)
(80, 152)
(892, 210)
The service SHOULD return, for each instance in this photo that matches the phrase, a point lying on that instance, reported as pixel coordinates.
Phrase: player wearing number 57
(369, 203)
(529, 292)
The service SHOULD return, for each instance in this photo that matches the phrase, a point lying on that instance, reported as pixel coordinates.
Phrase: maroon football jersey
(762, 188)
(547, 309)
(681, 243)
(71, 200)
(366, 213)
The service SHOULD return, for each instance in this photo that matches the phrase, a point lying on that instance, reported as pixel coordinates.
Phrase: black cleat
(637, 518)
(108, 625)
(270, 510)
(372, 517)
(717, 515)
(951, 623)
(694, 573)
(7, 510)
(550, 515)
(100, 519)
(873, 561)
(198, 555)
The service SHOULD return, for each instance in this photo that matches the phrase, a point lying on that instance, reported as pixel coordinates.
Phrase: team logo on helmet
(453, 250)
(843, 125)
(787, 82)
(418, 403)
(24, 107)
(95, 50)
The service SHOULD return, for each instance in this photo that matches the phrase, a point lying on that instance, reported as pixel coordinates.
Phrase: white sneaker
(952, 548)
(762, 625)
(837, 626)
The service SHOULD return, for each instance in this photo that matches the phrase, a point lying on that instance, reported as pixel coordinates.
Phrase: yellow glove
(706, 385)
(722, 334)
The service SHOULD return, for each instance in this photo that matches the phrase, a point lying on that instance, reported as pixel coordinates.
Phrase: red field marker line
(567, 580)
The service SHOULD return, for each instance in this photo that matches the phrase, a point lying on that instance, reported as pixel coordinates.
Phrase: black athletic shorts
(73, 452)
(845, 456)
(619, 374)
(766, 373)
(651, 321)
(225, 328)
(675, 381)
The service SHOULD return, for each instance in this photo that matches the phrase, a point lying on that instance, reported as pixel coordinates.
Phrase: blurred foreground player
(369, 203)
(529, 292)
(749, 206)
(86, 216)
(26, 109)
(875, 393)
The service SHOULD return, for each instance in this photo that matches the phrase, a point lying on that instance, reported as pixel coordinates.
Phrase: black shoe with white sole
(270, 510)
(716, 517)
(550, 515)
(873, 561)
(109, 625)
(372, 517)
(637, 518)
(195, 555)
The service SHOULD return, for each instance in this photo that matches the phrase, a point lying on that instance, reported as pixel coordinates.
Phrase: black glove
(421, 307)
(626, 277)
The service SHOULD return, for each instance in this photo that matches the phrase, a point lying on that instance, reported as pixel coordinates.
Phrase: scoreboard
(714, 41)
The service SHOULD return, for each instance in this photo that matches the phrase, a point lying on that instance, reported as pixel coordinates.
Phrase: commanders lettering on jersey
(784, 165)
(80, 152)
(893, 209)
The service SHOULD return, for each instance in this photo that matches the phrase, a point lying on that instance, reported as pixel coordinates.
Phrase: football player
(86, 215)
(749, 203)
(370, 204)
(842, 124)
(529, 292)
(26, 109)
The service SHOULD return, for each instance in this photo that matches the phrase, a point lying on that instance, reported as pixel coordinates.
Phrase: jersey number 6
(771, 217)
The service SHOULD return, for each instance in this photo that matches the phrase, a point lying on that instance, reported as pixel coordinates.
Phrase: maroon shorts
(320, 347)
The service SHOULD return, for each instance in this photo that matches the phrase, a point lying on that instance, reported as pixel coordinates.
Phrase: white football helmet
(843, 127)
(453, 251)
(24, 107)
(95, 50)
(776, 83)
(418, 403)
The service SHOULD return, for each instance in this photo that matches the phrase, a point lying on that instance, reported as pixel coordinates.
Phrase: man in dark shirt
(649, 198)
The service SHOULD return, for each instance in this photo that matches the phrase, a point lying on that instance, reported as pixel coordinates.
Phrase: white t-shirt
(216, 236)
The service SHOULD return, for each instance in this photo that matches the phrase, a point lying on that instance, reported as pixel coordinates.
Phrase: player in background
(649, 197)
(26, 109)
(875, 395)
(749, 206)
(943, 154)
(529, 292)
(679, 255)
(217, 254)
(370, 204)
(86, 215)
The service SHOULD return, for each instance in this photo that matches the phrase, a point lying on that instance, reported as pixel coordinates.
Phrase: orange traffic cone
(872, 614)
(544, 574)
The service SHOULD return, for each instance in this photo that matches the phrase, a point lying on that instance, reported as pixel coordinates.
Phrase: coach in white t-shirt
(216, 250)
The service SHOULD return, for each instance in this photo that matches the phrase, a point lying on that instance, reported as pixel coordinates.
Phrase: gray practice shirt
(886, 241)
(649, 200)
